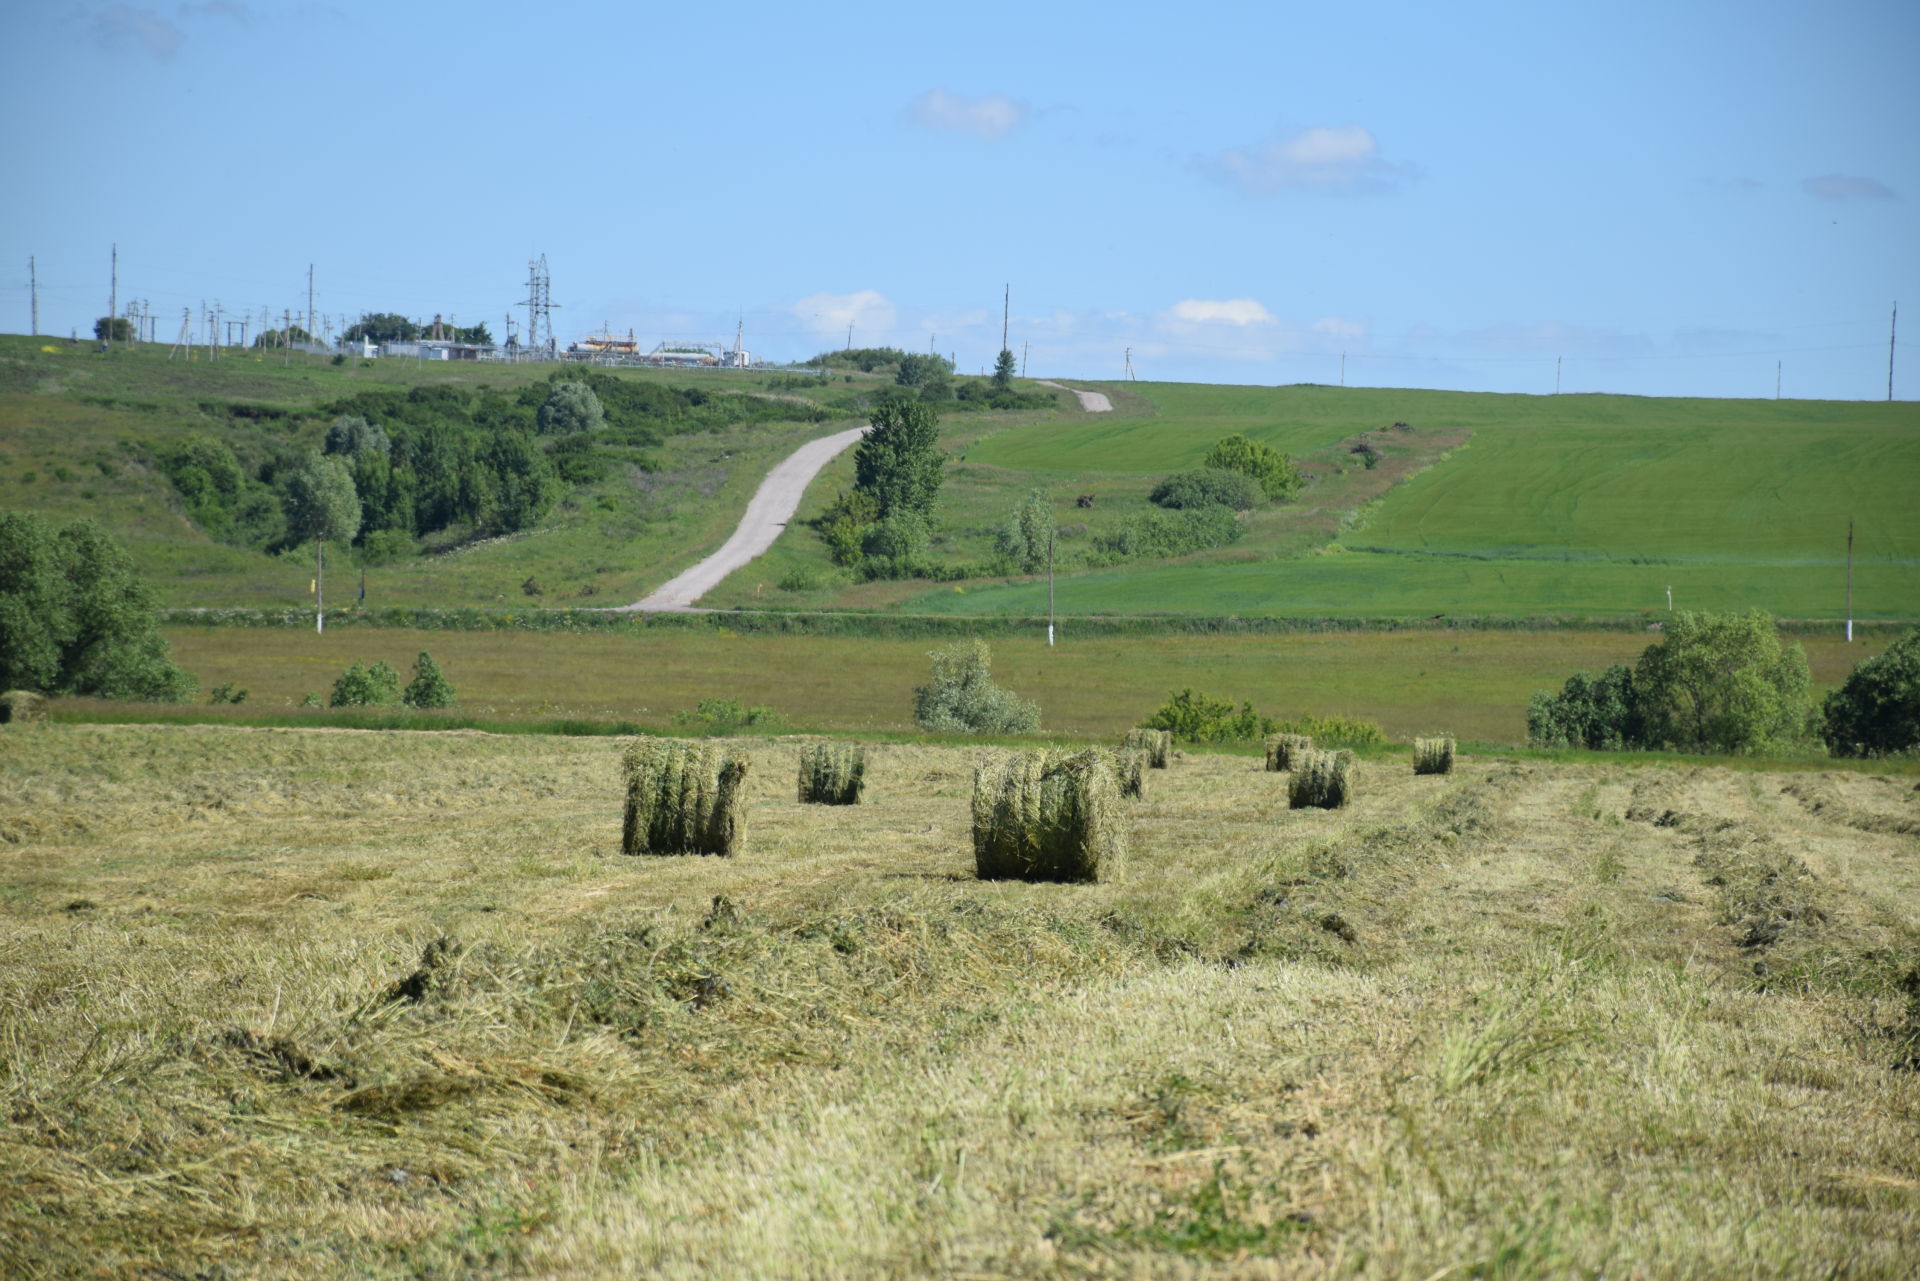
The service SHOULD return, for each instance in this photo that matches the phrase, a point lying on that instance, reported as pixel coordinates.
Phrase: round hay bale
(22, 705)
(1282, 749)
(1048, 816)
(682, 798)
(1156, 743)
(832, 773)
(1433, 756)
(1323, 780)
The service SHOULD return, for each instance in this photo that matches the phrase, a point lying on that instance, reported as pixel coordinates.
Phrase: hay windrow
(1156, 743)
(1284, 749)
(682, 798)
(1048, 816)
(1323, 780)
(832, 773)
(1433, 755)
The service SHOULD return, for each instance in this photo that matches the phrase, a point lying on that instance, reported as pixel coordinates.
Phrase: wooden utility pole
(1006, 302)
(1050, 589)
(1776, 379)
(113, 309)
(309, 302)
(33, 278)
(1849, 580)
(1023, 360)
(1893, 331)
(1556, 374)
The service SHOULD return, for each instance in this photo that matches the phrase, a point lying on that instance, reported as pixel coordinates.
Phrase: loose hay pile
(1156, 743)
(1047, 816)
(1284, 749)
(22, 705)
(1131, 771)
(1433, 756)
(1322, 779)
(682, 798)
(832, 773)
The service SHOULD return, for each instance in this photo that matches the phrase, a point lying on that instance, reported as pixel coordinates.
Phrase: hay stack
(832, 773)
(682, 798)
(1047, 816)
(1284, 749)
(1433, 756)
(1323, 779)
(22, 705)
(1131, 771)
(1156, 743)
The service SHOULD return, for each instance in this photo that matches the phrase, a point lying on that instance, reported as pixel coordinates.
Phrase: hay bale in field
(1322, 779)
(1131, 772)
(1433, 756)
(1156, 743)
(1284, 749)
(1047, 816)
(22, 705)
(682, 798)
(832, 773)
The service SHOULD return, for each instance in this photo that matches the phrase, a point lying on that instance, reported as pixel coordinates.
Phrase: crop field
(1475, 683)
(310, 1003)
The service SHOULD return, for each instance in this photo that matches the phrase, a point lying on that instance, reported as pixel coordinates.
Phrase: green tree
(1267, 465)
(428, 688)
(363, 686)
(1601, 713)
(1876, 712)
(899, 461)
(1029, 532)
(571, 407)
(322, 504)
(1722, 683)
(383, 326)
(113, 329)
(1003, 370)
(75, 618)
(352, 436)
(961, 697)
(915, 369)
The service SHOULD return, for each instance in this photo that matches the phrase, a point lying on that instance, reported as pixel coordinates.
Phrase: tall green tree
(75, 617)
(1003, 370)
(1029, 531)
(1721, 683)
(322, 506)
(571, 407)
(898, 462)
(116, 328)
(1876, 711)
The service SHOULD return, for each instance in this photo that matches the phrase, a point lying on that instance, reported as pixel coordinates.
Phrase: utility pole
(1050, 589)
(849, 346)
(309, 302)
(33, 277)
(113, 309)
(1893, 331)
(1776, 378)
(1006, 303)
(1128, 375)
(1343, 369)
(184, 340)
(286, 337)
(319, 585)
(1023, 360)
(1849, 580)
(1556, 374)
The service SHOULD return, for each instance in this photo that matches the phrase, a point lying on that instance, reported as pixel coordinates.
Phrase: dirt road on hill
(1094, 402)
(773, 505)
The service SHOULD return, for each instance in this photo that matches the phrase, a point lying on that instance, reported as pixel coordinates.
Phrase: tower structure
(540, 339)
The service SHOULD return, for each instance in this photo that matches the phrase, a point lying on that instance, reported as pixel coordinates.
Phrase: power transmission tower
(33, 277)
(309, 302)
(1129, 371)
(540, 307)
(185, 339)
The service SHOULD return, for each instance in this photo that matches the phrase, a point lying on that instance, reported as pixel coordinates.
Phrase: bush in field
(352, 435)
(1433, 756)
(568, 408)
(1601, 713)
(1029, 533)
(76, 619)
(1154, 535)
(1876, 712)
(428, 688)
(1323, 780)
(832, 773)
(1047, 816)
(1209, 487)
(729, 716)
(364, 686)
(896, 547)
(1346, 731)
(682, 798)
(1195, 718)
(961, 697)
(1722, 683)
(1277, 476)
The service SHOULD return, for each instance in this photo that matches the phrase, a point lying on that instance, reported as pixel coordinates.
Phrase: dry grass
(832, 773)
(1048, 816)
(1433, 756)
(1472, 1026)
(1284, 749)
(682, 798)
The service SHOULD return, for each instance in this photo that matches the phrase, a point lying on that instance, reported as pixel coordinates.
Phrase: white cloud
(1341, 330)
(1342, 159)
(828, 315)
(123, 27)
(1231, 311)
(1840, 186)
(989, 117)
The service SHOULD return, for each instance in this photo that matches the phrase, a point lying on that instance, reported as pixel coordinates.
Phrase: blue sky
(1666, 198)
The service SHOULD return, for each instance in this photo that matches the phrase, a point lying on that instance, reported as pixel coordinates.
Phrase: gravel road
(1094, 402)
(773, 505)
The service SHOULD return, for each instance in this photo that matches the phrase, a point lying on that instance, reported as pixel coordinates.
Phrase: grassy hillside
(298, 1003)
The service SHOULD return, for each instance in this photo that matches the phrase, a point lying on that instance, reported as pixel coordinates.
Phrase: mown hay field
(326, 1003)
(1475, 682)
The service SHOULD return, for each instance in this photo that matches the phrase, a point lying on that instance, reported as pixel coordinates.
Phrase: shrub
(845, 523)
(363, 686)
(1156, 744)
(682, 798)
(1722, 683)
(22, 705)
(385, 547)
(1029, 533)
(1208, 487)
(961, 698)
(728, 716)
(353, 435)
(428, 688)
(1284, 749)
(227, 693)
(1130, 769)
(1345, 731)
(896, 547)
(1195, 718)
(1170, 533)
(1322, 779)
(1433, 756)
(832, 773)
(570, 407)
(1277, 476)
(1876, 711)
(1047, 816)
(1601, 713)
